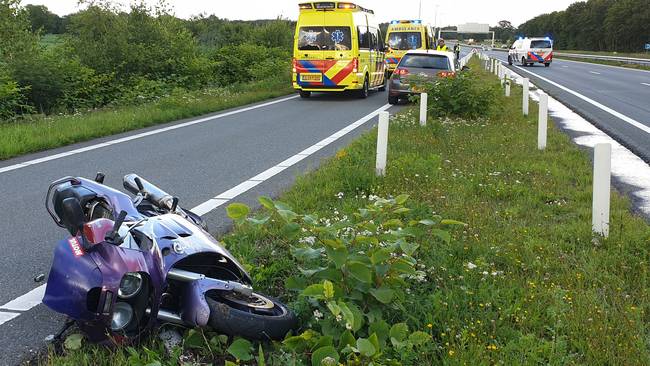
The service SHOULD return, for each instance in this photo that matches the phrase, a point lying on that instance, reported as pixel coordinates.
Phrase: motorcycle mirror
(73, 215)
(99, 178)
(174, 204)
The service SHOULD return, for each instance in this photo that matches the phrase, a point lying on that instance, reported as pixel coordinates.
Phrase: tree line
(105, 55)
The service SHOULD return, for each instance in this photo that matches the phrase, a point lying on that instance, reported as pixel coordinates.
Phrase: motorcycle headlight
(122, 315)
(130, 285)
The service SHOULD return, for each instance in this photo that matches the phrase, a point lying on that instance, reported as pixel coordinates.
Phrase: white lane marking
(225, 197)
(646, 84)
(5, 317)
(140, 135)
(602, 65)
(614, 113)
(565, 66)
(35, 296)
(594, 72)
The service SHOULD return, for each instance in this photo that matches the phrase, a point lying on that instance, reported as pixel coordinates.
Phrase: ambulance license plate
(311, 78)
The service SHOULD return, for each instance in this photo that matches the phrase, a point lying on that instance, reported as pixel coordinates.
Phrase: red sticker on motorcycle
(77, 250)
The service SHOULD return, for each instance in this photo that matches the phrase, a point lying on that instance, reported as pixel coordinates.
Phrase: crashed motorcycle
(132, 264)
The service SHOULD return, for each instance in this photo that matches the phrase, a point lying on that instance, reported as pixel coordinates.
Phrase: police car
(529, 51)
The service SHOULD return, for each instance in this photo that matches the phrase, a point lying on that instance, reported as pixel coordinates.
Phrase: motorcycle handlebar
(154, 194)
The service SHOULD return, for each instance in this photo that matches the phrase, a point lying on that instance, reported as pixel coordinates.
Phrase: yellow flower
(451, 352)
(492, 347)
(429, 325)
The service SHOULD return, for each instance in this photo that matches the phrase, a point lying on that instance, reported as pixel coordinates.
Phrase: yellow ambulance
(404, 35)
(337, 47)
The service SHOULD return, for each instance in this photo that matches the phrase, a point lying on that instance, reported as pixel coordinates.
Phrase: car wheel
(509, 60)
(305, 94)
(547, 64)
(393, 99)
(363, 93)
(523, 61)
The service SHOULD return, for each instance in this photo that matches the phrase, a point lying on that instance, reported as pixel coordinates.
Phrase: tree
(43, 20)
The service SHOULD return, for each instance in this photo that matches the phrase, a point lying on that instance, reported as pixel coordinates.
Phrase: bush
(356, 271)
(12, 100)
(247, 62)
(460, 96)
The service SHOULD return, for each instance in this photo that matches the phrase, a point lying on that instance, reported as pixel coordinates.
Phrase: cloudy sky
(448, 12)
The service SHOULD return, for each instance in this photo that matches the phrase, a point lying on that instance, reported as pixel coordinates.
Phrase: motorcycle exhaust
(167, 316)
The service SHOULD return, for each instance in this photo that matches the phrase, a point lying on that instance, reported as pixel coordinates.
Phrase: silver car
(426, 64)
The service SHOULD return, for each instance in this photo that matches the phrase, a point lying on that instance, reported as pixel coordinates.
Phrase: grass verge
(41, 133)
(525, 282)
(606, 62)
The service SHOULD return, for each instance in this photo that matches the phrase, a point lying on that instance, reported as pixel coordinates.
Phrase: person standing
(442, 46)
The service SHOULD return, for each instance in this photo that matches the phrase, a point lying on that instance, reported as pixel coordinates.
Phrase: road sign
(473, 28)
(647, 46)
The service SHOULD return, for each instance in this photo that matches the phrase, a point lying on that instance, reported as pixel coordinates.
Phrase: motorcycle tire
(234, 318)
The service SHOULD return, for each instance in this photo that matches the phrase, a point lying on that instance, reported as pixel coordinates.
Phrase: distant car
(504, 46)
(529, 51)
(426, 64)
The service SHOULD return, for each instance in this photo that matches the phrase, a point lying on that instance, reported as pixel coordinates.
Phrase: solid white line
(594, 72)
(601, 65)
(5, 317)
(223, 198)
(614, 113)
(646, 84)
(27, 301)
(140, 135)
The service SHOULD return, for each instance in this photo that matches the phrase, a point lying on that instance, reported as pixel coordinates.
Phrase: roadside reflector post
(507, 87)
(496, 67)
(423, 108)
(602, 181)
(543, 121)
(524, 104)
(382, 144)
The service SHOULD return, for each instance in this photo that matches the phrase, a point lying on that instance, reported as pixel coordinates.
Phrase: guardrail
(627, 60)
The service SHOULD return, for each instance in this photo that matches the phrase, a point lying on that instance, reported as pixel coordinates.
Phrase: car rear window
(405, 40)
(540, 44)
(324, 39)
(426, 62)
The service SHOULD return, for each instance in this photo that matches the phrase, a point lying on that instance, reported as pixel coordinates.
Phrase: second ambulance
(404, 35)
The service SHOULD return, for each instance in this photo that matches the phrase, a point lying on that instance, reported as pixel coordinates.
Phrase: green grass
(51, 40)
(524, 283)
(606, 62)
(41, 133)
(608, 53)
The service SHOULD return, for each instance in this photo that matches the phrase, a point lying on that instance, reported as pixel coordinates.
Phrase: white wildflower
(471, 265)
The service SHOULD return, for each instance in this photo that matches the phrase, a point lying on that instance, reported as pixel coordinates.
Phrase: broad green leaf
(291, 230)
(241, 349)
(442, 234)
(295, 343)
(382, 294)
(427, 222)
(401, 199)
(287, 215)
(194, 340)
(334, 308)
(348, 315)
(408, 248)
(305, 253)
(419, 338)
(73, 341)
(320, 356)
(281, 206)
(347, 339)
(381, 329)
(267, 203)
(315, 291)
(358, 317)
(375, 341)
(366, 347)
(399, 331)
(295, 283)
(334, 243)
(310, 219)
(258, 222)
(393, 223)
(338, 256)
(380, 256)
(402, 266)
(360, 271)
(237, 211)
(326, 340)
(328, 289)
(452, 222)
(230, 363)
(331, 274)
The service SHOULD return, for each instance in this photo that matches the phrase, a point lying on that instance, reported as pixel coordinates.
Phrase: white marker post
(543, 121)
(507, 87)
(423, 109)
(382, 144)
(602, 181)
(524, 104)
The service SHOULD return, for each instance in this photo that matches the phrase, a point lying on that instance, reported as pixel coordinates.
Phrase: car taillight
(355, 64)
(446, 74)
(401, 72)
(295, 65)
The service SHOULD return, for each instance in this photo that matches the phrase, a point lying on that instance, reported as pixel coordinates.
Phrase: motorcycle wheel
(259, 317)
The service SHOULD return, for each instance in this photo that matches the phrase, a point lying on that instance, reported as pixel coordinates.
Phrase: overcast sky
(448, 12)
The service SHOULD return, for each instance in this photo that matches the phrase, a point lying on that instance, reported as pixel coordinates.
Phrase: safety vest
(442, 48)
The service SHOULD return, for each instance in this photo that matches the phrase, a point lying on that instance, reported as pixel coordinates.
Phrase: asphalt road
(626, 91)
(195, 163)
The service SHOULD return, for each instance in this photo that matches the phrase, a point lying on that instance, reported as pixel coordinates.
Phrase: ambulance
(404, 35)
(337, 47)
